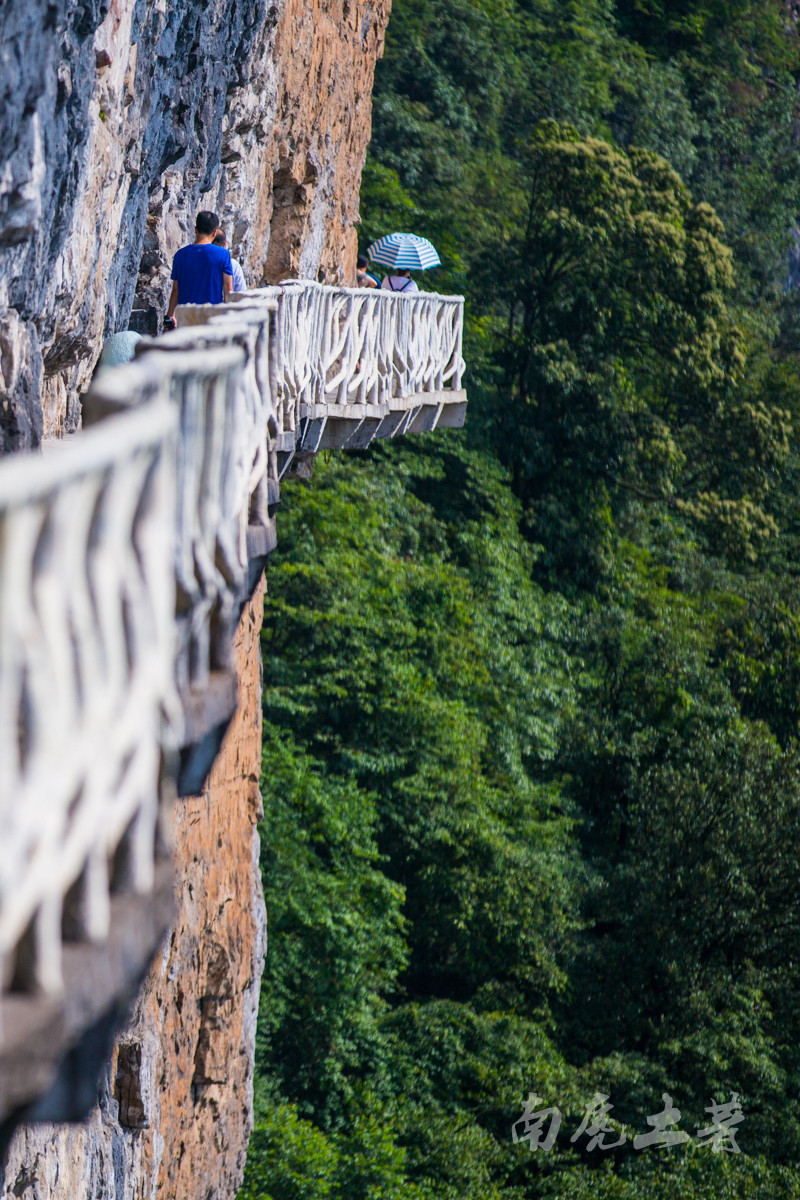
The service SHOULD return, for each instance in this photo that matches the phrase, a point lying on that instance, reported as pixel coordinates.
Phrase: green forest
(531, 762)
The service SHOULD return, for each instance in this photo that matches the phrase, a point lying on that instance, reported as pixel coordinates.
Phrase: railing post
(459, 338)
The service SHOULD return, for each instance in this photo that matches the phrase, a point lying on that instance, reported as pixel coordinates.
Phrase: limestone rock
(120, 118)
(20, 377)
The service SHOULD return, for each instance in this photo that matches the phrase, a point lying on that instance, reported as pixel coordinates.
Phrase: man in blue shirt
(201, 273)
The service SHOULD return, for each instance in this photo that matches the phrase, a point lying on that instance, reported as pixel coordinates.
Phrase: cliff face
(118, 120)
(176, 1099)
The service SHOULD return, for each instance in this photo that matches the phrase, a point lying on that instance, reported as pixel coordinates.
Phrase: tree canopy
(532, 693)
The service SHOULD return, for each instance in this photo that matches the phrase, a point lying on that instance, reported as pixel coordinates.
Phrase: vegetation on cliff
(532, 797)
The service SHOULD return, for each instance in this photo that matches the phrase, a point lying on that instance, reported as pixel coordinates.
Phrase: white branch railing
(87, 597)
(357, 347)
(212, 476)
(218, 376)
(126, 555)
(123, 567)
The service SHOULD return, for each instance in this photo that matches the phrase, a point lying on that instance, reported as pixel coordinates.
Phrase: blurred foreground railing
(87, 600)
(126, 557)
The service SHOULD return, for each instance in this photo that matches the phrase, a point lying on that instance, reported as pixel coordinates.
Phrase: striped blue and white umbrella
(404, 252)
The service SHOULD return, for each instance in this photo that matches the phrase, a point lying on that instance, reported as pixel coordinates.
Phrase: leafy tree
(622, 360)
(438, 951)
(336, 919)
(757, 648)
(530, 766)
(398, 685)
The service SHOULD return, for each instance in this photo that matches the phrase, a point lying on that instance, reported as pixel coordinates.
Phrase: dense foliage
(532, 777)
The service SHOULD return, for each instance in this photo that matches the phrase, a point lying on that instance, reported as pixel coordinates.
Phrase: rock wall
(118, 120)
(175, 1104)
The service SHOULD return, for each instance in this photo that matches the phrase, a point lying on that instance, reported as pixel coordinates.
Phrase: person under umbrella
(401, 282)
(403, 253)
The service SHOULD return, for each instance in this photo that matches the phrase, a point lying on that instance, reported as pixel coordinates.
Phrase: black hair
(220, 239)
(362, 261)
(207, 222)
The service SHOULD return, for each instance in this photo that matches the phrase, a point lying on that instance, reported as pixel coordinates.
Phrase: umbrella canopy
(404, 252)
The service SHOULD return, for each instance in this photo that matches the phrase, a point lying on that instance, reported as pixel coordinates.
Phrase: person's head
(219, 238)
(207, 223)
(362, 262)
